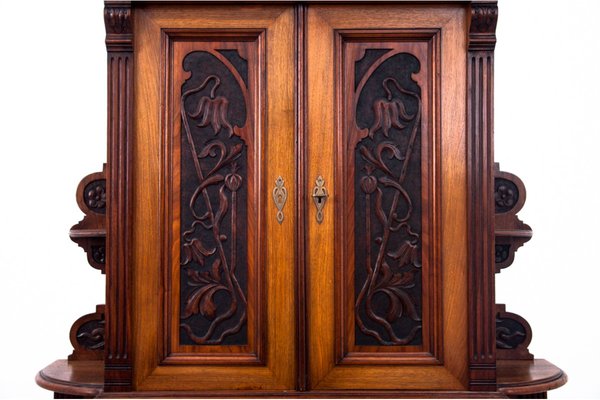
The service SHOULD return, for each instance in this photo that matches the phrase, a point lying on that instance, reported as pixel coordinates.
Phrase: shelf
(524, 377)
(75, 378)
(515, 378)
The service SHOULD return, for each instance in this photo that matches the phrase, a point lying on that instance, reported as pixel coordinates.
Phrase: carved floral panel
(216, 267)
(388, 261)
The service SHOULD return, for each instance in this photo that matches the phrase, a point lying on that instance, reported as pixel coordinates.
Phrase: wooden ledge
(523, 377)
(76, 378)
(515, 377)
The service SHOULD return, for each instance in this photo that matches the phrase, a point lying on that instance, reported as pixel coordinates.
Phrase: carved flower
(504, 196)
(96, 197)
(233, 181)
(212, 110)
(389, 112)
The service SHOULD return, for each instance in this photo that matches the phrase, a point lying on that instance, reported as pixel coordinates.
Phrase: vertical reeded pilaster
(119, 45)
(480, 123)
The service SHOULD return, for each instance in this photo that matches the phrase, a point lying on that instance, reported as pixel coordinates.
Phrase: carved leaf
(407, 253)
(196, 279)
(215, 271)
(207, 305)
(404, 303)
(195, 303)
(195, 251)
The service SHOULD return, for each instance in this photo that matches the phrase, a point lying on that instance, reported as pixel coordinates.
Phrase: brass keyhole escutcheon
(279, 197)
(319, 196)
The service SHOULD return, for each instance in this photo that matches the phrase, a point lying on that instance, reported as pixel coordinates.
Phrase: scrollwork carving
(90, 232)
(510, 232)
(87, 336)
(513, 335)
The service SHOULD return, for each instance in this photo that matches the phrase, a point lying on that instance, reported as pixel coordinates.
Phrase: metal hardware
(279, 196)
(319, 196)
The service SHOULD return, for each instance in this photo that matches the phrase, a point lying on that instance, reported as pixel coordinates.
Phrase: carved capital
(119, 26)
(510, 232)
(482, 25)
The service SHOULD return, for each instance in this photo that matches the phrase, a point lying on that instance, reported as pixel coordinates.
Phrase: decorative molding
(513, 335)
(90, 232)
(118, 21)
(87, 336)
(510, 232)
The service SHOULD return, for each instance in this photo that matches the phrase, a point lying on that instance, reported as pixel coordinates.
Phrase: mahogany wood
(326, 286)
(297, 71)
(273, 127)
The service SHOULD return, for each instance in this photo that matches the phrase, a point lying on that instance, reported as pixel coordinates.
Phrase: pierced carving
(513, 335)
(90, 232)
(510, 232)
(87, 336)
(387, 214)
(213, 300)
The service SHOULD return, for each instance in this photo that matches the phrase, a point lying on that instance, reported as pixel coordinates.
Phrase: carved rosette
(510, 232)
(90, 232)
(87, 336)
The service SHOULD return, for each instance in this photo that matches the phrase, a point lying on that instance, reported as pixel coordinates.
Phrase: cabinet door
(213, 132)
(387, 266)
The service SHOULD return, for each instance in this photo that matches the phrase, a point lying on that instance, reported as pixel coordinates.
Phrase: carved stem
(387, 226)
(215, 228)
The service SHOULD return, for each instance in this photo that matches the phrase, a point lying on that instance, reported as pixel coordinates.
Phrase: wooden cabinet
(301, 198)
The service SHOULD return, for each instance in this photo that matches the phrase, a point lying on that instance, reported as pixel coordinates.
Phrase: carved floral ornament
(392, 268)
(209, 242)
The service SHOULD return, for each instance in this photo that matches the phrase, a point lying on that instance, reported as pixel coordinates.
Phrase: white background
(53, 132)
